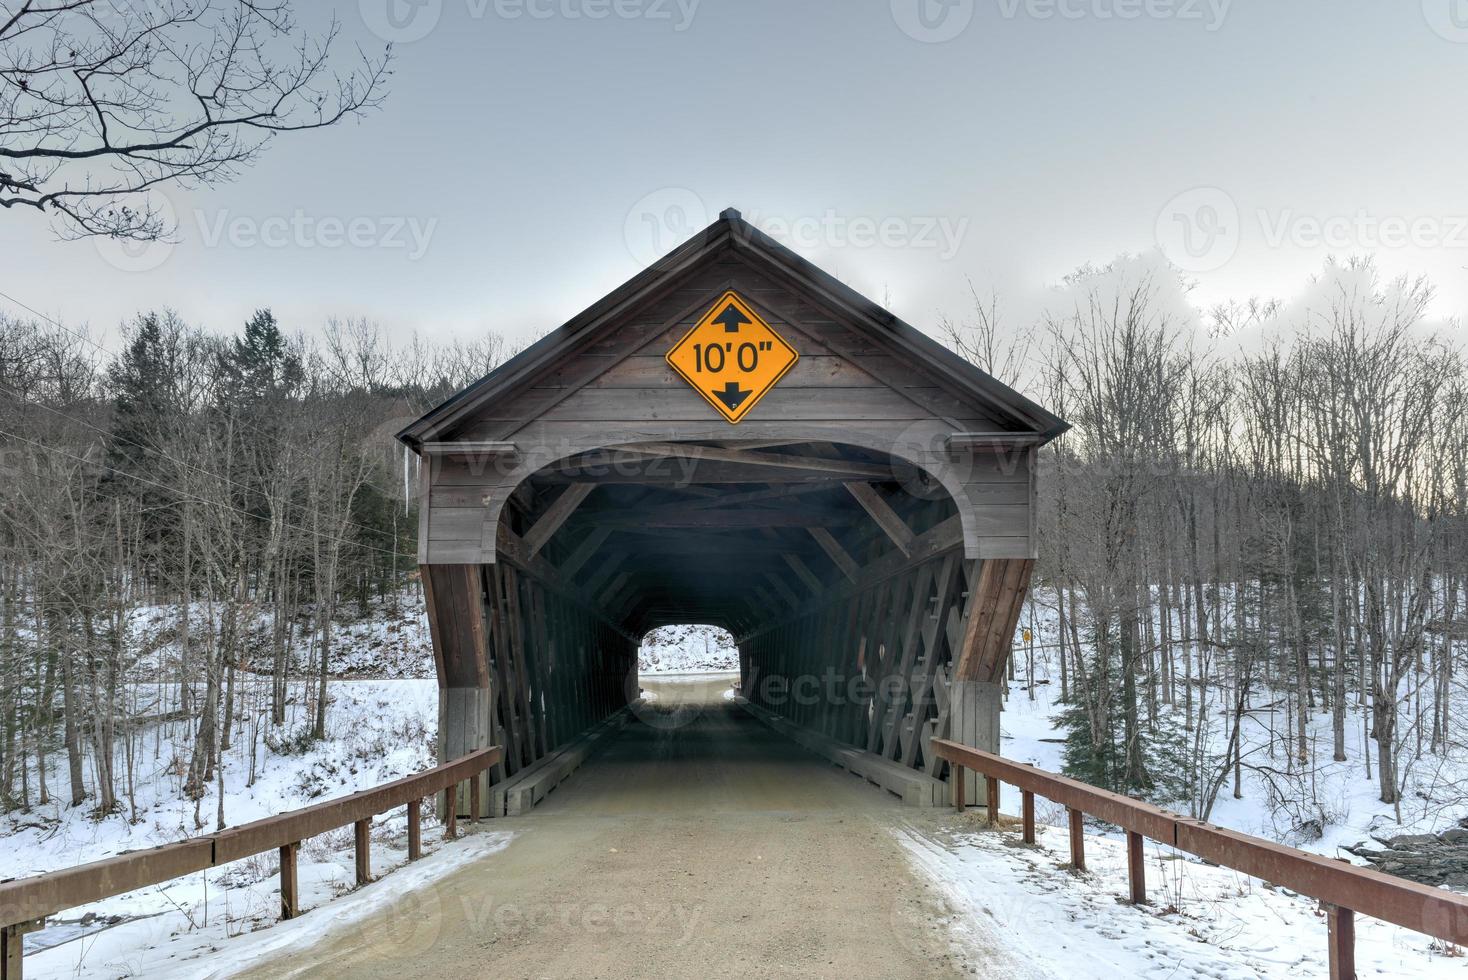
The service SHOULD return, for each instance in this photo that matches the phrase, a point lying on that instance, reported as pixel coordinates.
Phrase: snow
(1336, 792)
(687, 650)
(377, 731)
(1201, 921)
(242, 900)
(381, 724)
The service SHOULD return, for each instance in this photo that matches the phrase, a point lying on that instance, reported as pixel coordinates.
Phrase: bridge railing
(1343, 889)
(25, 902)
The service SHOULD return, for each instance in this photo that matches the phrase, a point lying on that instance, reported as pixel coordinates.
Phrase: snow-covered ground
(376, 731)
(1338, 794)
(1202, 921)
(687, 650)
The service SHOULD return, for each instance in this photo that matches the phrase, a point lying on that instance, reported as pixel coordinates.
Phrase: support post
(1077, 839)
(956, 780)
(451, 812)
(974, 719)
(415, 830)
(1136, 867)
(1342, 925)
(1028, 803)
(992, 800)
(12, 947)
(362, 831)
(474, 798)
(290, 894)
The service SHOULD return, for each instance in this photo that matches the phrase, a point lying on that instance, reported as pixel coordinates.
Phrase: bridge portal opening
(687, 648)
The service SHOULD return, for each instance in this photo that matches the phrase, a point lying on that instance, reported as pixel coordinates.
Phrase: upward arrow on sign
(732, 319)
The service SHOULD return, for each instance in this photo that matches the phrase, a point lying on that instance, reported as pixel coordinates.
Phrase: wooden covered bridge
(733, 437)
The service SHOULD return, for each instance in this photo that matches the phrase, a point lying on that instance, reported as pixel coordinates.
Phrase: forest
(1257, 517)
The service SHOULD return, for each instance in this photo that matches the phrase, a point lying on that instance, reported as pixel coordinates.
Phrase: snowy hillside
(687, 649)
(376, 731)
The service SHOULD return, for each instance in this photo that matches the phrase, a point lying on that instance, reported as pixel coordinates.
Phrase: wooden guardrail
(25, 902)
(1343, 889)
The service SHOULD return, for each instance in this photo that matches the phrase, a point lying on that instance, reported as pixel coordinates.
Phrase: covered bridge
(732, 437)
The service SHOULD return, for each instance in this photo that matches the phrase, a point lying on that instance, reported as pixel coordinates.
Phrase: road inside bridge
(700, 843)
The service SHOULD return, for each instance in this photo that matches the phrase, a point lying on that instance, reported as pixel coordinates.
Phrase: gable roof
(732, 231)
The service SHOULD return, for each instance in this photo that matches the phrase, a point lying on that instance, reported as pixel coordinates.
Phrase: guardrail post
(415, 830)
(1136, 867)
(956, 780)
(451, 812)
(1342, 925)
(1028, 805)
(362, 830)
(991, 801)
(290, 905)
(12, 947)
(1077, 839)
(474, 798)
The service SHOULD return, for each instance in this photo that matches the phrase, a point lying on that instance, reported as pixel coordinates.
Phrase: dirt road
(699, 844)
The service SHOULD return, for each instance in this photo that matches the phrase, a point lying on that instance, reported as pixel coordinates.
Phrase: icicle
(406, 481)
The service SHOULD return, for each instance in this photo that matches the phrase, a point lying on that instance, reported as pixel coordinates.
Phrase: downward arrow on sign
(732, 395)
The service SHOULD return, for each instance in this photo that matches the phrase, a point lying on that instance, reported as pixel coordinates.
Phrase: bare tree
(103, 100)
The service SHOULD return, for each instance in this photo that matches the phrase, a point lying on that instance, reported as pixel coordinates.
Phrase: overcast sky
(532, 154)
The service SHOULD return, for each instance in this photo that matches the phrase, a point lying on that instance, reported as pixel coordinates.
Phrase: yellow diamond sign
(732, 357)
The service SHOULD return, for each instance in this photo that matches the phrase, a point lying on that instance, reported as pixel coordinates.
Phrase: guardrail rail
(1343, 889)
(25, 902)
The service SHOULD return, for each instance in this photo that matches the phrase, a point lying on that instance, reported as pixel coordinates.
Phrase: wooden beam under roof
(887, 519)
(588, 547)
(555, 515)
(835, 552)
(755, 458)
(725, 519)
